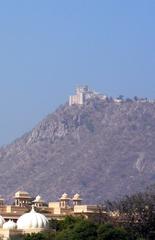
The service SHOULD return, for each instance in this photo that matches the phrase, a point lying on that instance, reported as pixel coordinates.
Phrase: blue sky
(47, 47)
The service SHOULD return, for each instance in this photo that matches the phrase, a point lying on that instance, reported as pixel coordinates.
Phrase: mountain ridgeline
(102, 149)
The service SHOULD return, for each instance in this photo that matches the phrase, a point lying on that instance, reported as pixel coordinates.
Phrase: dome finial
(33, 209)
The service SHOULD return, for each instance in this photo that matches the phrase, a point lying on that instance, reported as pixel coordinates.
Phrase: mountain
(103, 149)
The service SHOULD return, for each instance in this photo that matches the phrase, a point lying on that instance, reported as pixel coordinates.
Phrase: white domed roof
(22, 194)
(9, 225)
(38, 199)
(77, 197)
(2, 221)
(64, 197)
(32, 220)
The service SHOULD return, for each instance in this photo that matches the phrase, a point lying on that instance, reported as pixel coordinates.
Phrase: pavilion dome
(32, 220)
(64, 197)
(9, 225)
(2, 221)
(22, 194)
(77, 197)
(38, 199)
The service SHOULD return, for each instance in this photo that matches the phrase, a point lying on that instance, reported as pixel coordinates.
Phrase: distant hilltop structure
(83, 93)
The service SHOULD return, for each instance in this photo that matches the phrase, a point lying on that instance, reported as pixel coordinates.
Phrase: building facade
(66, 205)
(83, 93)
(18, 218)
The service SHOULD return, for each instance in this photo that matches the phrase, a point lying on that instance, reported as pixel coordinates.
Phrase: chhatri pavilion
(31, 215)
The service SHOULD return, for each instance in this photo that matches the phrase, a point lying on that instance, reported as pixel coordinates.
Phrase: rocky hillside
(102, 150)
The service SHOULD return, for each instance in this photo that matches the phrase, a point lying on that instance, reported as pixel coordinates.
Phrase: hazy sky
(47, 47)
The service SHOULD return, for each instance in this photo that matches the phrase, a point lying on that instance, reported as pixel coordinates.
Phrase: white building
(31, 222)
(82, 94)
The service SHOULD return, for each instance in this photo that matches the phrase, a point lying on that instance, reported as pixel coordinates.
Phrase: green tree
(55, 224)
(69, 222)
(84, 230)
(40, 236)
(35, 236)
(63, 235)
(76, 229)
(108, 232)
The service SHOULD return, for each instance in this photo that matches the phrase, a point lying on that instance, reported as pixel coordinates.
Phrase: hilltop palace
(83, 93)
(31, 215)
